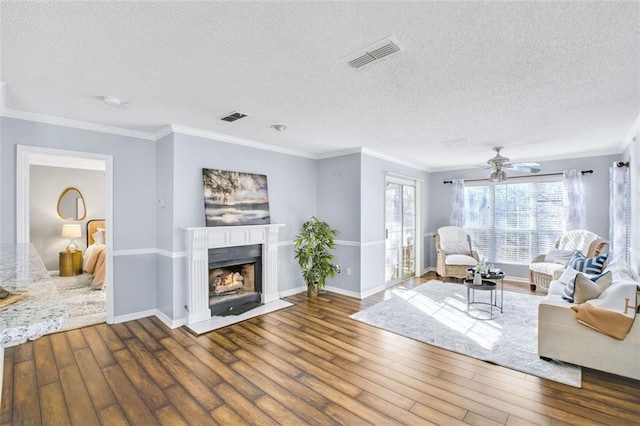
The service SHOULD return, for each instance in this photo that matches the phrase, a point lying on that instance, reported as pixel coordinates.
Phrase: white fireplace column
(200, 240)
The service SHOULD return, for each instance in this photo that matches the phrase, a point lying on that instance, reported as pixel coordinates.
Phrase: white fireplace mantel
(200, 240)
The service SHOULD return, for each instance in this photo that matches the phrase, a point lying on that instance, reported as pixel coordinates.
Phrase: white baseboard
(293, 291)
(372, 291)
(134, 316)
(170, 322)
(343, 292)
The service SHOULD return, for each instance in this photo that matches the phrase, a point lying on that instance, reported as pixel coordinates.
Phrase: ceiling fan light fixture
(498, 176)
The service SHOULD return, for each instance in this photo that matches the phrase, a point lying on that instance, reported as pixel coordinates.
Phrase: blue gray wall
(134, 187)
(596, 188)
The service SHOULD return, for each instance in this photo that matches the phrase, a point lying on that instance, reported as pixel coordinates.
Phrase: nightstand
(70, 263)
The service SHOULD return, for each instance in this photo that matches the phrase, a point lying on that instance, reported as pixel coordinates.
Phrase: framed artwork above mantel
(235, 198)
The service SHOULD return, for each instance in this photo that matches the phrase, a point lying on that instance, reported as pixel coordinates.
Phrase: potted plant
(312, 245)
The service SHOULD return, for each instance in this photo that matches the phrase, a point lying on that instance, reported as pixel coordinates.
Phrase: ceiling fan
(499, 164)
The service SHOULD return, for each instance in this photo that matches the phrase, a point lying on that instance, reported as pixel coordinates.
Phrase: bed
(95, 254)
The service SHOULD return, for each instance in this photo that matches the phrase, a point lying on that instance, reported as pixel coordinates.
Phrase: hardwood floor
(307, 364)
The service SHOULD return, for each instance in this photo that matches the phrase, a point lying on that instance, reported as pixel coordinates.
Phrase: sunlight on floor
(452, 313)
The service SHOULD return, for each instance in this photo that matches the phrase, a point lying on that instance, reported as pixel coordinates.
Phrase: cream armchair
(542, 267)
(454, 254)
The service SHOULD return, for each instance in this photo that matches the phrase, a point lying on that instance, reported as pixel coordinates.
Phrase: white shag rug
(86, 306)
(436, 313)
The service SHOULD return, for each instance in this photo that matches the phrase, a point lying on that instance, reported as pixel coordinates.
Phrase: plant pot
(312, 290)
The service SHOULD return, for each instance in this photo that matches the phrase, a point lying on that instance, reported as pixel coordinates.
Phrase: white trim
(183, 130)
(76, 124)
(171, 254)
(168, 321)
(347, 243)
(134, 252)
(631, 133)
(293, 291)
(344, 292)
(385, 157)
(216, 322)
(135, 316)
(340, 153)
(403, 179)
(372, 291)
(517, 279)
(428, 269)
(164, 131)
(373, 243)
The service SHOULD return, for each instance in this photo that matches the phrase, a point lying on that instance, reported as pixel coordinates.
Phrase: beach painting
(235, 198)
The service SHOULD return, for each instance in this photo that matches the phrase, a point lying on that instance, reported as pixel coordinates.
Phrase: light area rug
(436, 313)
(86, 306)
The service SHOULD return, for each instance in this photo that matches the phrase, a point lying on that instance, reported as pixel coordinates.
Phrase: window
(513, 222)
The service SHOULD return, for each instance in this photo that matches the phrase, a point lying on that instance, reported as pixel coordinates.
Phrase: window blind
(513, 222)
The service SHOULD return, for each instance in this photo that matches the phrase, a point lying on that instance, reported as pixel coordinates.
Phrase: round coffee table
(486, 285)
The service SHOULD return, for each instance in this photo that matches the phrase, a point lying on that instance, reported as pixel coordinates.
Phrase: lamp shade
(71, 230)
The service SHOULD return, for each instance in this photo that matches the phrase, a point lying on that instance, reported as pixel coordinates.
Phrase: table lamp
(71, 231)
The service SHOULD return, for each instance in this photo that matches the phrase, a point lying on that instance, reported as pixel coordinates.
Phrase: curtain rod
(622, 164)
(584, 172)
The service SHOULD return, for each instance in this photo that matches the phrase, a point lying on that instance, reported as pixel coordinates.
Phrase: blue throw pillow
(588, 265)
(569, 290)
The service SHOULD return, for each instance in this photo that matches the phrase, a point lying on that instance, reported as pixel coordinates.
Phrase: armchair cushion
(545, 267)
(579, 239)
(460, 259)
(455, 247)
(558, 256)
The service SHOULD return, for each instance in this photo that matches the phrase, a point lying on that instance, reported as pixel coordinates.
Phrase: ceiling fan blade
(524, 167)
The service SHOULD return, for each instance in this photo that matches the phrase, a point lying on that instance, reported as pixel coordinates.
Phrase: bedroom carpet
(435, 313)
(86, 306)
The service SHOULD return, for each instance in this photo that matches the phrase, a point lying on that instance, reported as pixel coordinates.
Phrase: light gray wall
(164, 226)
(338, 193)
(596, 187)
(134, 191)
(292, 200)
(46, 186)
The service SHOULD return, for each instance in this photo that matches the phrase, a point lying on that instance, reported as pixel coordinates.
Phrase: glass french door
(400, 223)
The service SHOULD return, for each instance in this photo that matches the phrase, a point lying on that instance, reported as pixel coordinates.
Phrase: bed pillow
(455, 247)
(588, 265)
(98, 237)
(558, 256)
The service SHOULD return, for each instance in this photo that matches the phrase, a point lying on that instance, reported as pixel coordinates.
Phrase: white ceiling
(544, 79)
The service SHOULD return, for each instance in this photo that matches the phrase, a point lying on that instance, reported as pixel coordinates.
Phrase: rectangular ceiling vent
(233, 116)
(373, 53)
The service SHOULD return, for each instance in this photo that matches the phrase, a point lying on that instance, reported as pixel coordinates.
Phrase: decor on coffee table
(235, 198)
(312, 245)
(435, 313)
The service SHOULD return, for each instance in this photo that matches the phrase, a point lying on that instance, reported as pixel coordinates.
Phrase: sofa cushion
(558, 256)
(556, 287)
(584, 287)
(460, 259)
(588, 265)
(567, 275)
(590, 288)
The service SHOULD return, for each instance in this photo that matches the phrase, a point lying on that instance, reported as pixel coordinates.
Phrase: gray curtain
(619, 214)
(574, 208)
(456, 217)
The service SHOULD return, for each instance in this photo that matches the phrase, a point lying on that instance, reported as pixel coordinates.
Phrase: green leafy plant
(312, 245)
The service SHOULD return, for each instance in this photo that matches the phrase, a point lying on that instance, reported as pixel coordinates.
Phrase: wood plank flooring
(307, 364)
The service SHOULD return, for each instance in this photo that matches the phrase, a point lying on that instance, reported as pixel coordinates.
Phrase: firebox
(235, 279)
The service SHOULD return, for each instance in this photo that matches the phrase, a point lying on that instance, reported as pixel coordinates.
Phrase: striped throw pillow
(588, 265)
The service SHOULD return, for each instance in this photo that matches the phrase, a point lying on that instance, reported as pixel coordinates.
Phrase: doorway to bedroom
(59, 191)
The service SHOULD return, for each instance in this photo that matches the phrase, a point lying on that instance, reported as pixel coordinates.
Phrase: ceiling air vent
(233, 116)
(372, 53)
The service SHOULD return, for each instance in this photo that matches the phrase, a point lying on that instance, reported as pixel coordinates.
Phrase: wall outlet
(339, 269)
(349, 271)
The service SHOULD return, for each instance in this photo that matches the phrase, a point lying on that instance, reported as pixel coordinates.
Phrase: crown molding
(183, 130)
(385, 157)
(341, 153)
(76, 124)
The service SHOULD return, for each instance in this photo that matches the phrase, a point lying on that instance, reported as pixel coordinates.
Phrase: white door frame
(25, 157)
(417, 183)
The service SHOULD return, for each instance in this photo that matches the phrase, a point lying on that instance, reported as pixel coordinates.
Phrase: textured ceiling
(544, 79)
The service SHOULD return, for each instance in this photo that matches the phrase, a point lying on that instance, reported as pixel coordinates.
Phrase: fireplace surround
(200, 240)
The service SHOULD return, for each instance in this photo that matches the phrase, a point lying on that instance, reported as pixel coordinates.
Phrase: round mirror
(71, 205)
